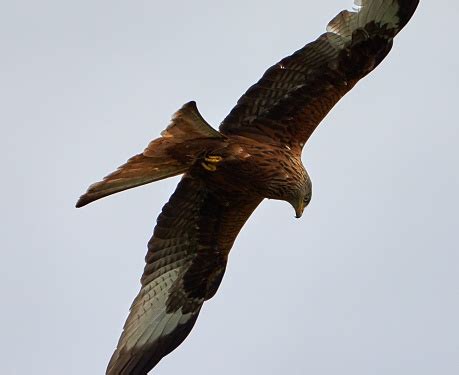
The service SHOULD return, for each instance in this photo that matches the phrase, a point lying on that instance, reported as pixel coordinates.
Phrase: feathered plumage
(255, 155)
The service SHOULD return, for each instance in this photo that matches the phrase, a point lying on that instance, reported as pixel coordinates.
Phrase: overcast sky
(366, 282)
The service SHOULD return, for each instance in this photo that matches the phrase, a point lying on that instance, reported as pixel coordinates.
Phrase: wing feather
(185, 264)
(293, 96)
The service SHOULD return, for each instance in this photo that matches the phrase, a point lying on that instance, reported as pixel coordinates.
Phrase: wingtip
(191, 103)
(82, 201)
(406, 11)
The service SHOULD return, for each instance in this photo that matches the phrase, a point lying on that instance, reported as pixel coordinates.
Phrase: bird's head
(301, 196)
(300, 203)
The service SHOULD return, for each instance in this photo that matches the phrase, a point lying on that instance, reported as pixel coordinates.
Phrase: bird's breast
(267, 171)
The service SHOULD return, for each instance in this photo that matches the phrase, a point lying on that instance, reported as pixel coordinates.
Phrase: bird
(255, 155)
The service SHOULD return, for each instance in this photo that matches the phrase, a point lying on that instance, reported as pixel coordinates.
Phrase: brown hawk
(227, 173)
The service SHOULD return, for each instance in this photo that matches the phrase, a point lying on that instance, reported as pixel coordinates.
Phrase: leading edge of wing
(294, 95)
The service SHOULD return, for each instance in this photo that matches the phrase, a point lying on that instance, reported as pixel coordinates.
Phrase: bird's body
(227, 174)
(256, 176)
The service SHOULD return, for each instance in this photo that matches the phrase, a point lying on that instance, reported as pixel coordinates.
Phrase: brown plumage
(256, 155)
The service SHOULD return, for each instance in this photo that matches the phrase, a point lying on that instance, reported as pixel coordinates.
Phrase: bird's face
(301, 204)
(302, 196)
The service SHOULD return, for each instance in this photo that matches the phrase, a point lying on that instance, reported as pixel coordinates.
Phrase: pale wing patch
(179, 319)
(382, 12)
(343, 25)
(149, 318)
(148, 311)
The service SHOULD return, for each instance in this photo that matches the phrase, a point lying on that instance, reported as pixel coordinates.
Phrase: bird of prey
(256, 154)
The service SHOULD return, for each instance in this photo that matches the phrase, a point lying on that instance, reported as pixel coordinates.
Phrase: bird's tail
(170, 155)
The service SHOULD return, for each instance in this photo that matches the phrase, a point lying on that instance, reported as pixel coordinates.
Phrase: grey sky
(365, 283)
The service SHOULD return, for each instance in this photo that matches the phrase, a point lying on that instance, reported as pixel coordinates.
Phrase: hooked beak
(299, 209)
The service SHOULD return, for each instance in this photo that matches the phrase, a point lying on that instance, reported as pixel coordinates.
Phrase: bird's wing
(186, 261)
(293, 96)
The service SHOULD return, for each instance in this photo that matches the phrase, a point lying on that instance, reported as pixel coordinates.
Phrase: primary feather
(256, 155)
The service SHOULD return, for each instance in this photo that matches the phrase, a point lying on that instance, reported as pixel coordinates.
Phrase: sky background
(365, 283)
